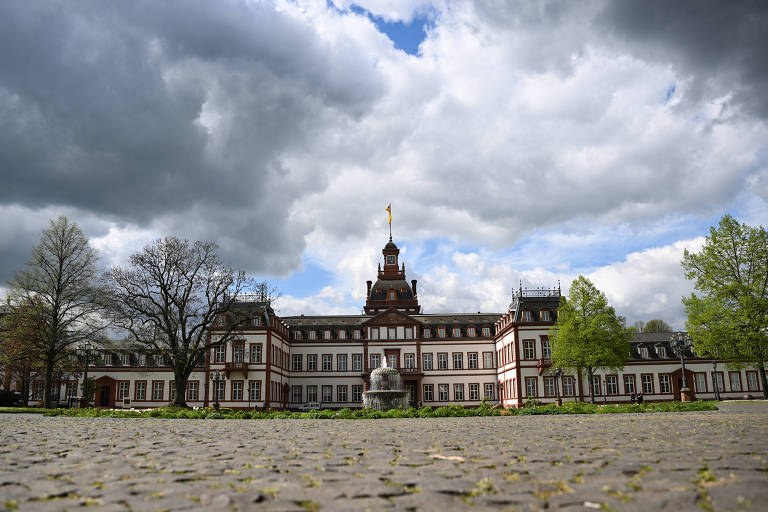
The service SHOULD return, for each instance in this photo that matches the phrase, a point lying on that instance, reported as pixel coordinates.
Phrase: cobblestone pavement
(681, 461)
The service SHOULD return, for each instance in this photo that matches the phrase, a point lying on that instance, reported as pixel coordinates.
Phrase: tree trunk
(48, 382)
(591, 387)
(763, 380)
(180, 378)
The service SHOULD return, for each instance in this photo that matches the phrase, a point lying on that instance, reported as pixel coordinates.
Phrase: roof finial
(389, 211)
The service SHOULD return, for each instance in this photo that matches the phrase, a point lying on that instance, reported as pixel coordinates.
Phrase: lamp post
(679, 343)
(86, 351)
(216, 377)
(557, 374)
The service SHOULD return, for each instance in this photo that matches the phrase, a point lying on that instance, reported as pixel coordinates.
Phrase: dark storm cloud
(721, 45)
(176, 114)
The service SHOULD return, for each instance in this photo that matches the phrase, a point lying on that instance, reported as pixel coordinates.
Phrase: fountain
(386, 389)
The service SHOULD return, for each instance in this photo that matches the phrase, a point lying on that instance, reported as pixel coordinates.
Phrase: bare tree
(59, 289)
(657, 325)
(169, 296)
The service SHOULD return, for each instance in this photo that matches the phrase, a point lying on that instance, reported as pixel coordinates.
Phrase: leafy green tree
(729, 315)
(657, 325)
(588, 334)
(60, 287)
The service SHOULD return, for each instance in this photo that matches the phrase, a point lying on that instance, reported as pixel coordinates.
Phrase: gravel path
(680, 461)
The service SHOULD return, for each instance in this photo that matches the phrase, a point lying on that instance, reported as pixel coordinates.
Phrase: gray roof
(325, 320)
(458, 318)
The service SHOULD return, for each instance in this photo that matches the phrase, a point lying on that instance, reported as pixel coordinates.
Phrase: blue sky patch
(405, 36)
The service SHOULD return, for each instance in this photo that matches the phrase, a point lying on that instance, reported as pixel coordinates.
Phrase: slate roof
(652, 340)
(357, 320)
(402, 288)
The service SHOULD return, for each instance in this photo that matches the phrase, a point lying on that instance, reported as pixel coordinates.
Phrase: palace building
(457, 358)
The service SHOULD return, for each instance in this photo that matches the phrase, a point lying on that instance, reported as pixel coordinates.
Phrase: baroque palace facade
(284, 362)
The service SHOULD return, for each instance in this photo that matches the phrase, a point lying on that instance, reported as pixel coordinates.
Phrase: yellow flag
(389, 210)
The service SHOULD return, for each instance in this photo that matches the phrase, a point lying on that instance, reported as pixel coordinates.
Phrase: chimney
(413, 285)
(369, 283)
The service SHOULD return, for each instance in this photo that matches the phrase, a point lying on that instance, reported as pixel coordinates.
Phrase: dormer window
(256, 321)
(297, 335)
(312, 335)
(391, 294)
(342, 334)
(327, 334)
(662, 351)
(441, 332)
(427, 333)
(526, 316)
(644, 352)
(545, 315)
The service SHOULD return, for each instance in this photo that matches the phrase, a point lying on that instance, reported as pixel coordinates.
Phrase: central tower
(391, 289)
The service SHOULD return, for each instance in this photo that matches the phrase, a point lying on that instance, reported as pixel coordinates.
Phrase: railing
(236, 367)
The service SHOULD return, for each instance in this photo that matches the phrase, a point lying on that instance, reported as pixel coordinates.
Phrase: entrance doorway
(106, 392)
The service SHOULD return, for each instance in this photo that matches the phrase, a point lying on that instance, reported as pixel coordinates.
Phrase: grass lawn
(16, 410)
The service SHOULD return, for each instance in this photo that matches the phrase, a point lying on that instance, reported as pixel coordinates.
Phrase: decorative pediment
(391, 317)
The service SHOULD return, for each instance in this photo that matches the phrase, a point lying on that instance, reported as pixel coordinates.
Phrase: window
(157, 390)
(237, 353)
(486, 332)
(342, 334)
(341, 363)
(392, 361)
(456, 332)
(664, 384)
(375, 360)
(442, 392)
(752, 383)
(458, 360)
(295, 394)
(296, 362)
(471, 332)
(717, 381)
(735, 381)
(312, 335)
(458, 391)
(391, 294)
(612, 384)
(487, 359)
(159, 360)
(530, 387)
(374, 333)
(193, 390)
(72, 390)
(256, 321)
(568, 386)
(327, 362)
(427, 333)
(254, 388)
(356, 334)
(596, 384)
(218, 391)
(472, 360)
(426, 361)
(391, 333)
(220, 321)
(327, 393)
(312, 364)
(125, 359)
(410, 360)
(442, 361)
(629, 384)
(140, 393)
(701, 382)
(647, 381)
(662, 351)
(172, 390)
(107, 359)
(441, 332)
(546, 350)
(526, 316)
(428, 393)
(122, 390)
(357, 393)
(297, 335)
(327, 334)
(488, 391)
(341, 393)
(644, 352)
(409, 333)
(256, 353)
(357, 362)
(237, 390)
(529, 350)
(219, 354)
(545, 315)
(549, 386)
(312, 393)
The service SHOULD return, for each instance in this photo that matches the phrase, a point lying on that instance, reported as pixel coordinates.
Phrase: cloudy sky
(529, 141)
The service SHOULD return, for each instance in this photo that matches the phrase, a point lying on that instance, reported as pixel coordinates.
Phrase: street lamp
(217, 377)
(86, 351)
(679, 344)
(557, 374)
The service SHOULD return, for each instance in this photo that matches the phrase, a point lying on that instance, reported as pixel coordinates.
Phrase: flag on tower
(389, 210)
